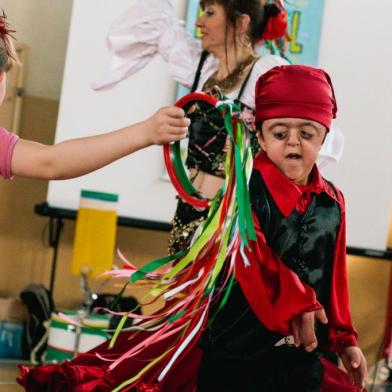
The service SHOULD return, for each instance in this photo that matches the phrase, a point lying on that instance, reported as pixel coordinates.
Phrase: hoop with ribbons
(173, 161)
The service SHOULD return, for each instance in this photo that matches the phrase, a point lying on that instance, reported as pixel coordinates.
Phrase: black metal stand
(55, 228)
(56, 224)
(372, 253)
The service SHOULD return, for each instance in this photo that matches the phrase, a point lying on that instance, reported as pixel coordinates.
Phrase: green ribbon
(174, 318)
(245, 220)
(118, 297)
(179, 168)
(201, 241)
(154, 265)
(118, 330)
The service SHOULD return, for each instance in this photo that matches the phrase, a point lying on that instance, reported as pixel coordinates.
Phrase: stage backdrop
(305, 19)
(353, 48)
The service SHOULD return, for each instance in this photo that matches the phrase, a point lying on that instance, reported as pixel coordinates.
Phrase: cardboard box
(13, 310)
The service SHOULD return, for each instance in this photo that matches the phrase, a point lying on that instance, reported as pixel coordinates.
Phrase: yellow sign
(95, 233)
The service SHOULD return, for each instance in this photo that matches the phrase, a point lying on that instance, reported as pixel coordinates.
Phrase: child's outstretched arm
(76, 157)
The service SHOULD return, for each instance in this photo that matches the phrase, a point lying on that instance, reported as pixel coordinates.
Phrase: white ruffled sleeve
(332, 148)
(263, 65)
(149, 28)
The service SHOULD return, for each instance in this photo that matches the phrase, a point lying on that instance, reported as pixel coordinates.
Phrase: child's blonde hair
(8, 56)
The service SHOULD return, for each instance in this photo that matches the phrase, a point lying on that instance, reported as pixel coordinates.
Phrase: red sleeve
(341, 331)
(274, 292)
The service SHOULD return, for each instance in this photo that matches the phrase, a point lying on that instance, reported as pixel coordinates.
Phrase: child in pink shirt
(76, 157)
(7, 144)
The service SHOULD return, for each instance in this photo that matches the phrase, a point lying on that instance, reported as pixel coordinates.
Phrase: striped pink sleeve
(7, 144)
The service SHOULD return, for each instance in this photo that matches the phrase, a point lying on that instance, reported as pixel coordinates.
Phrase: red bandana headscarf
(297, 91)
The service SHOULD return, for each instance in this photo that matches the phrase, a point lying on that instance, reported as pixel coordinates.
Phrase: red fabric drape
(341, 331)
(88, 373)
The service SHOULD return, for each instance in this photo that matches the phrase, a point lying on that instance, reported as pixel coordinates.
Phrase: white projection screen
(353, 51)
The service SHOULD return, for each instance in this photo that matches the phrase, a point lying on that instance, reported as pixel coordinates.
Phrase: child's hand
(167, 125)
(355, 364)
(303, 328)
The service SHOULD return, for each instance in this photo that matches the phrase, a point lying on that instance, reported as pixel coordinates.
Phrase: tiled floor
(8, 373)
(386, 388)
(382, 380)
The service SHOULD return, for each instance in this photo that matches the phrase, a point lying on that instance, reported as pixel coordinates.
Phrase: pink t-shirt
(7, 144)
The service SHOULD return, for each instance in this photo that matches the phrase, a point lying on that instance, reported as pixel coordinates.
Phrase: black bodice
(208, 137)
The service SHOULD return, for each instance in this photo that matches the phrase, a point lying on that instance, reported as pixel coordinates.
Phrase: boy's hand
(355, 364)
(167, 125)
(303, 328)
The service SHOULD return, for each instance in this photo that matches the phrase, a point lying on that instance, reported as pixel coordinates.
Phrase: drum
(67, 340)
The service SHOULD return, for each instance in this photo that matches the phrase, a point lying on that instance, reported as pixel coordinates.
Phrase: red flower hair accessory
(276, 26)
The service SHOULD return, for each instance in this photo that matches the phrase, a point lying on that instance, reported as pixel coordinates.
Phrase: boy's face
(292, 144)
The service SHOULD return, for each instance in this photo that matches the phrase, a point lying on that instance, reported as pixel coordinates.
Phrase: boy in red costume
(298, 263)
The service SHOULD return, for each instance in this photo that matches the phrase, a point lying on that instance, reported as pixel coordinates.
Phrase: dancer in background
(225, 57)
(76, 157)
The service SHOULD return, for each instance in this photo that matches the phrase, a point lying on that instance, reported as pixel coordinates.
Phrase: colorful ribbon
(189, 282)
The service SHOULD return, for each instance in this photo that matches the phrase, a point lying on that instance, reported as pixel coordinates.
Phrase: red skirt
(88, 372)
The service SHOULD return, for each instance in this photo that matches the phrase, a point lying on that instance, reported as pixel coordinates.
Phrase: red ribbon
(194, 201)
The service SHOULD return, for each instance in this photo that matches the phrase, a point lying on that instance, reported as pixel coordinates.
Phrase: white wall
(355, 50)
(43, 25)
(138, 179)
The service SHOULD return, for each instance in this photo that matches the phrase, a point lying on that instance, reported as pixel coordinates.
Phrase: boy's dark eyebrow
(277, 124)
(284, 124)
(310, 124)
